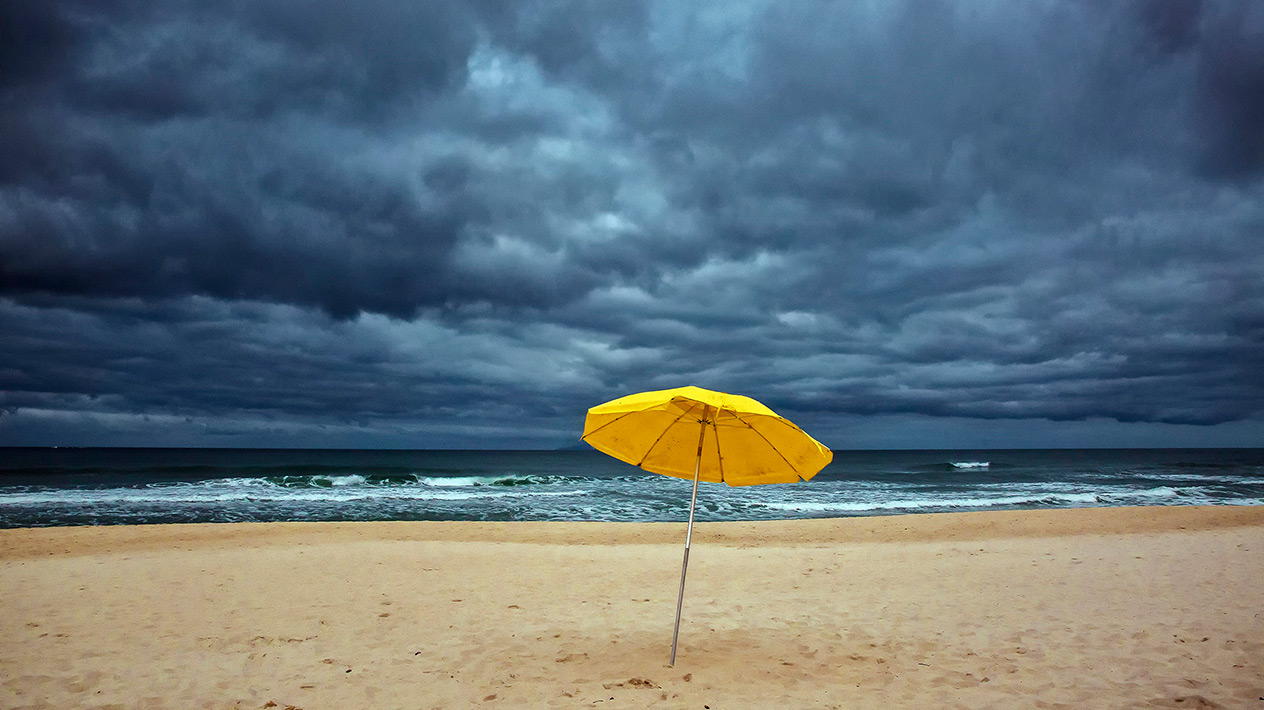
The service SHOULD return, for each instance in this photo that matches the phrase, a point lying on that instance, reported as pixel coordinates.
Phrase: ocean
(85, 486)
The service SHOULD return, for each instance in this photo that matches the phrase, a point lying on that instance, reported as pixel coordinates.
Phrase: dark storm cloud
(389, 213)
(204, 371)
(1232, 83)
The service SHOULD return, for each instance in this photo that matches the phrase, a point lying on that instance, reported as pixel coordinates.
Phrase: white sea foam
(1160, 492)
(258, 491)
(935, 503)
(349, 480)
(1195, 476)
(454, 481)
(467, 481)
(971, 464)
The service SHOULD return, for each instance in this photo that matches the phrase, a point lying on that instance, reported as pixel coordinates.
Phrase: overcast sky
(413, 224)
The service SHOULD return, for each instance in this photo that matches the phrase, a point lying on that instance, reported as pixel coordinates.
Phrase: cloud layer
(466, 222)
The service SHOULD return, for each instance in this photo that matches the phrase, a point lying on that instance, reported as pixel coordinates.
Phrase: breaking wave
(943, 504)
(553, 486)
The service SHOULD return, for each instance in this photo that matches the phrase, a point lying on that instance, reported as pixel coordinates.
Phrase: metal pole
(684, 566)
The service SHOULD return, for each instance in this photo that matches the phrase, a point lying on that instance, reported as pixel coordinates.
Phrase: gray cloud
(390, 218)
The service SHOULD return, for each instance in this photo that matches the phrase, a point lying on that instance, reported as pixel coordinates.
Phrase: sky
(902, 224)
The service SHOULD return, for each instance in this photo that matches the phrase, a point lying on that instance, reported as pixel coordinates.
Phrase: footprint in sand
(631, 683)
(1193, 701)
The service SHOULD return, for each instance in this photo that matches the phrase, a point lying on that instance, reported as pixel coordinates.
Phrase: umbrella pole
(684, 566)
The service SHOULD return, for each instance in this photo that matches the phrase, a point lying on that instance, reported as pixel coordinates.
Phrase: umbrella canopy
(695, 433)
(744, 443)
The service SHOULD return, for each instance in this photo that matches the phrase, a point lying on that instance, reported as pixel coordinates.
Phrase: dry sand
(1111, 608)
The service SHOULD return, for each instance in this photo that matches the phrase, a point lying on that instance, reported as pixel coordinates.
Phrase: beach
(1094, 607)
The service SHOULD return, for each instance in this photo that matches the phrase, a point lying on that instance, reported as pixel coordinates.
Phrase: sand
(1108, 608)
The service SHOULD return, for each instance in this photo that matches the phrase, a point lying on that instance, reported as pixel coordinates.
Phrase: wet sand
(1122, 607)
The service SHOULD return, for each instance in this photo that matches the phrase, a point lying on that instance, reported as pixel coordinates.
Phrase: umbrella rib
(612, 421)
(664, 433)
(770, 444)
(719, 458)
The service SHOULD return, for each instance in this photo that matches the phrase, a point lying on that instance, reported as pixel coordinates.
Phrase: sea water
(77, 486)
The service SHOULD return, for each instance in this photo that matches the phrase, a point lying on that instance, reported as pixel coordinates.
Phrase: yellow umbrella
(699, 434)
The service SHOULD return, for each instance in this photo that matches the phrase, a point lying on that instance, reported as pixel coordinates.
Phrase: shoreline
(969, 525)
(1156, 607)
